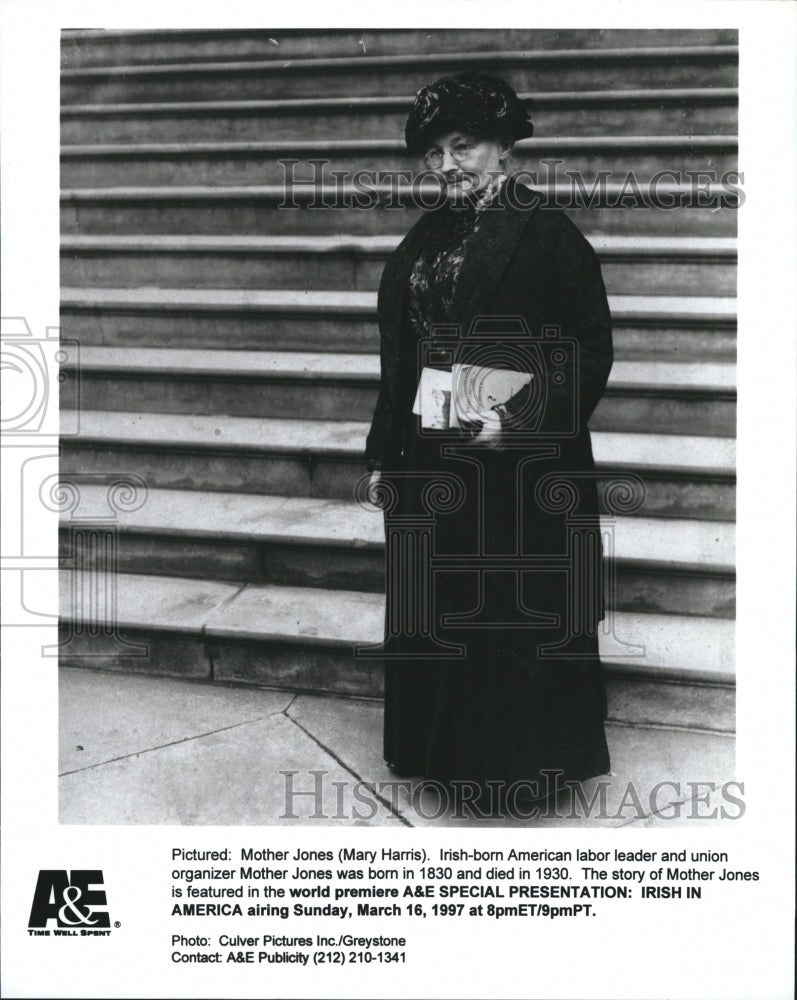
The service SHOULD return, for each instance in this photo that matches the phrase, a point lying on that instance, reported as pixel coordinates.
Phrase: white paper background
(736, 943)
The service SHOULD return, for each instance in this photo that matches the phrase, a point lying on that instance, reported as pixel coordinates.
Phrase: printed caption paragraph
(262, 900)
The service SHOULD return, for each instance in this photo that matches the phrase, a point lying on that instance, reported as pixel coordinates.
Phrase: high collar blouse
(434, 275)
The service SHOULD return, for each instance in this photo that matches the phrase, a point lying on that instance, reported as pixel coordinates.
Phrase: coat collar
(499, 232)
(490, 252)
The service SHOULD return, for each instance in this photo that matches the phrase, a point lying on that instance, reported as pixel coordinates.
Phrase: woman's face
(465, 162)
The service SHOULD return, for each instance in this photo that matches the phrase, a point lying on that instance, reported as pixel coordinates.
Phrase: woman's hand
(490, 434)
(373, 482)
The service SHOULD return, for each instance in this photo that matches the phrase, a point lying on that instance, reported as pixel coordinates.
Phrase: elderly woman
(512, 691)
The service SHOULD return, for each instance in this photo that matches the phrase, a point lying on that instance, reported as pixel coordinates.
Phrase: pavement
(149, 750)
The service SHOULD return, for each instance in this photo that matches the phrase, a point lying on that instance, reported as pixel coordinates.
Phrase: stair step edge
(676, 545)
(645, 308)
(326, 64)
(359, 368)
(707, 455)
(358, 104)
(307, 616)
(607, 143)
(607, 247)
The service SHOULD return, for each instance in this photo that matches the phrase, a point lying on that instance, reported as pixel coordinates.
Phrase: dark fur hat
(473, 102)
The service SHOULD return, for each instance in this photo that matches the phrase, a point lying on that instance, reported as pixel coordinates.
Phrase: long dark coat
(527, 696)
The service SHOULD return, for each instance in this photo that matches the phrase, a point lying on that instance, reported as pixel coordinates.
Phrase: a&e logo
(71, 899)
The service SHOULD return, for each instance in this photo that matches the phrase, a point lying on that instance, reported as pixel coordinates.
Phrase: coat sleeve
(378, 448)
(578, 306)
(383, 443)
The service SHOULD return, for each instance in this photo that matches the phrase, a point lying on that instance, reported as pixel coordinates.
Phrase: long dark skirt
(501, 710)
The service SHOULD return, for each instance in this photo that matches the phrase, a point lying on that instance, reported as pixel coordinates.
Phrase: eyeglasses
(459, 151)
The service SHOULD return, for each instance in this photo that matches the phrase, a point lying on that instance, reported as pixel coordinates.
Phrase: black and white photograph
(266, 240)
(371, 500)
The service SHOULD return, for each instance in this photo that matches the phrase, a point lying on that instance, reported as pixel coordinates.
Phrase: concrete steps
(631, 265)
(684, 477)
(673, 209)
(295, 319)
(664, 397)
(244, 163)
(122, 47)
(678, 112)
(663, 567)
(565, 69)
(301, 638)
